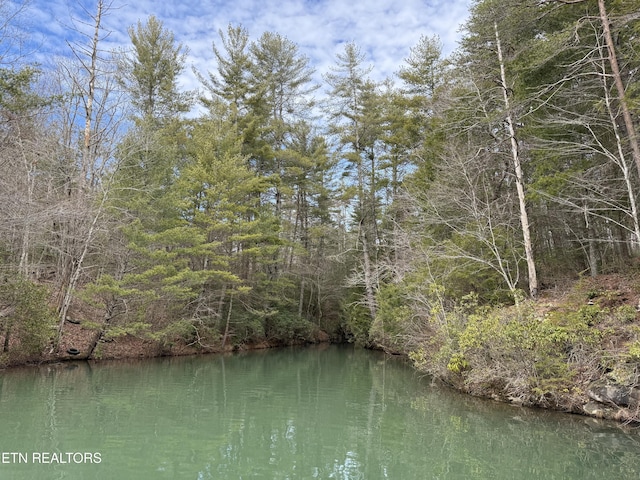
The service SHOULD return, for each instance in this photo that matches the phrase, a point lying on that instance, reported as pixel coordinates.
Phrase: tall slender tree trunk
(87, 154)
(364, 198)
(620, 158)
(524, 218)
(30, 176)
(85, 183)
(301, 298)
(7, 336)
(617, 79)
(370, 294)
(78, 266)
(592, 253)
(228, 322)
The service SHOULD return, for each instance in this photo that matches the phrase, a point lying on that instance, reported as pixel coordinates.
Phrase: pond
(329, 412)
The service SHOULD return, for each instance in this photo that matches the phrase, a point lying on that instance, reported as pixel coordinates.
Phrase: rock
(602, 392)
(595, 409)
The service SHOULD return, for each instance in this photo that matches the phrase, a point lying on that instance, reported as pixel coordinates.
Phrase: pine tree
(355, 121)
(149, 72)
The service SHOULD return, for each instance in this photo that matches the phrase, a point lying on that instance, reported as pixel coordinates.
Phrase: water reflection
(290, 414)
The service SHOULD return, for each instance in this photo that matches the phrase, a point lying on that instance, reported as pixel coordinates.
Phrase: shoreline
(600, 384)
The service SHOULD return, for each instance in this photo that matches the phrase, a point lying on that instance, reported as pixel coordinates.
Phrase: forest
(430, 214)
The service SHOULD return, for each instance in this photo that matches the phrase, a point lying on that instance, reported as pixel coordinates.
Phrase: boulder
(609, 393)
(595, 409)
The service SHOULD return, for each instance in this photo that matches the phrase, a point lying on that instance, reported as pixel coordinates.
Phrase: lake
(328, 412)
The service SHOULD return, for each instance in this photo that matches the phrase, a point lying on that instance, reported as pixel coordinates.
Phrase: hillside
(575, 350)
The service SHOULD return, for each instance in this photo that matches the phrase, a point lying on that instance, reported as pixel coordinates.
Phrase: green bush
(625, 313)
(133, 328)
(357, 319)
(246, 328)
(392, 316)
(287, 326)
(29, 323)
(590, 314)
(511, 349)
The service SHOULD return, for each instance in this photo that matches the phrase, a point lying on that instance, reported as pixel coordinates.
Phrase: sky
(384, 30)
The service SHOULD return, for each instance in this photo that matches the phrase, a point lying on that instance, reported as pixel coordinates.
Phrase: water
(318, 413)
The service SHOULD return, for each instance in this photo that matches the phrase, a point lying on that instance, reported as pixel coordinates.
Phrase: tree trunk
(7, 337)
(82, 196)
(621, 159)
(617, 79)
(592, 254)
(226, 327)
(524, 219)
(30, 176)
(368, 280)
(301, 298)
(87, 157)
(77, 269)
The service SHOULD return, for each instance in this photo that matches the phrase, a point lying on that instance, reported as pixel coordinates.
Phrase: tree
(268, 89)
(12, 32)
(424, 70)
(149, 71)
(627, 10)
(26, 320)
(93, 115)
(231, 80)
(24, 142)
(618, 82)
(141, 204)
(411, 138)
(281, 79)
(232, 83)
(578, 116)
(468, 225)
(355, 123)
(310, 232)
(499, 111)
(517, 166)
(220, 200)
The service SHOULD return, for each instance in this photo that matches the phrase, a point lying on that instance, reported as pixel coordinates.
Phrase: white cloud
(385, 30)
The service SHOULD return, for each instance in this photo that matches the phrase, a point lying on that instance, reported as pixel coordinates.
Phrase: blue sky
(385, 30)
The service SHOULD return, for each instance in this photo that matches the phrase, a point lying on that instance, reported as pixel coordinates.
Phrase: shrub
(388, 328)
(29, 323)
(357, 319)
(286, 326)
(625, 313)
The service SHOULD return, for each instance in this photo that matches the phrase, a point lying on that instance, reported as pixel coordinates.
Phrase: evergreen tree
(147, 159)
(355, 117)
(149, 71)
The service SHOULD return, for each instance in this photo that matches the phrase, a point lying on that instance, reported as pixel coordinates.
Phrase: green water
(325, 413)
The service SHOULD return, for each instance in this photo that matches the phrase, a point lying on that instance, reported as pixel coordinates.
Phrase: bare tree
(517, 166)
(89, 128)
(582, 104)
(24, 140)
(469, 217)
(12, 33)
(616, 73)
